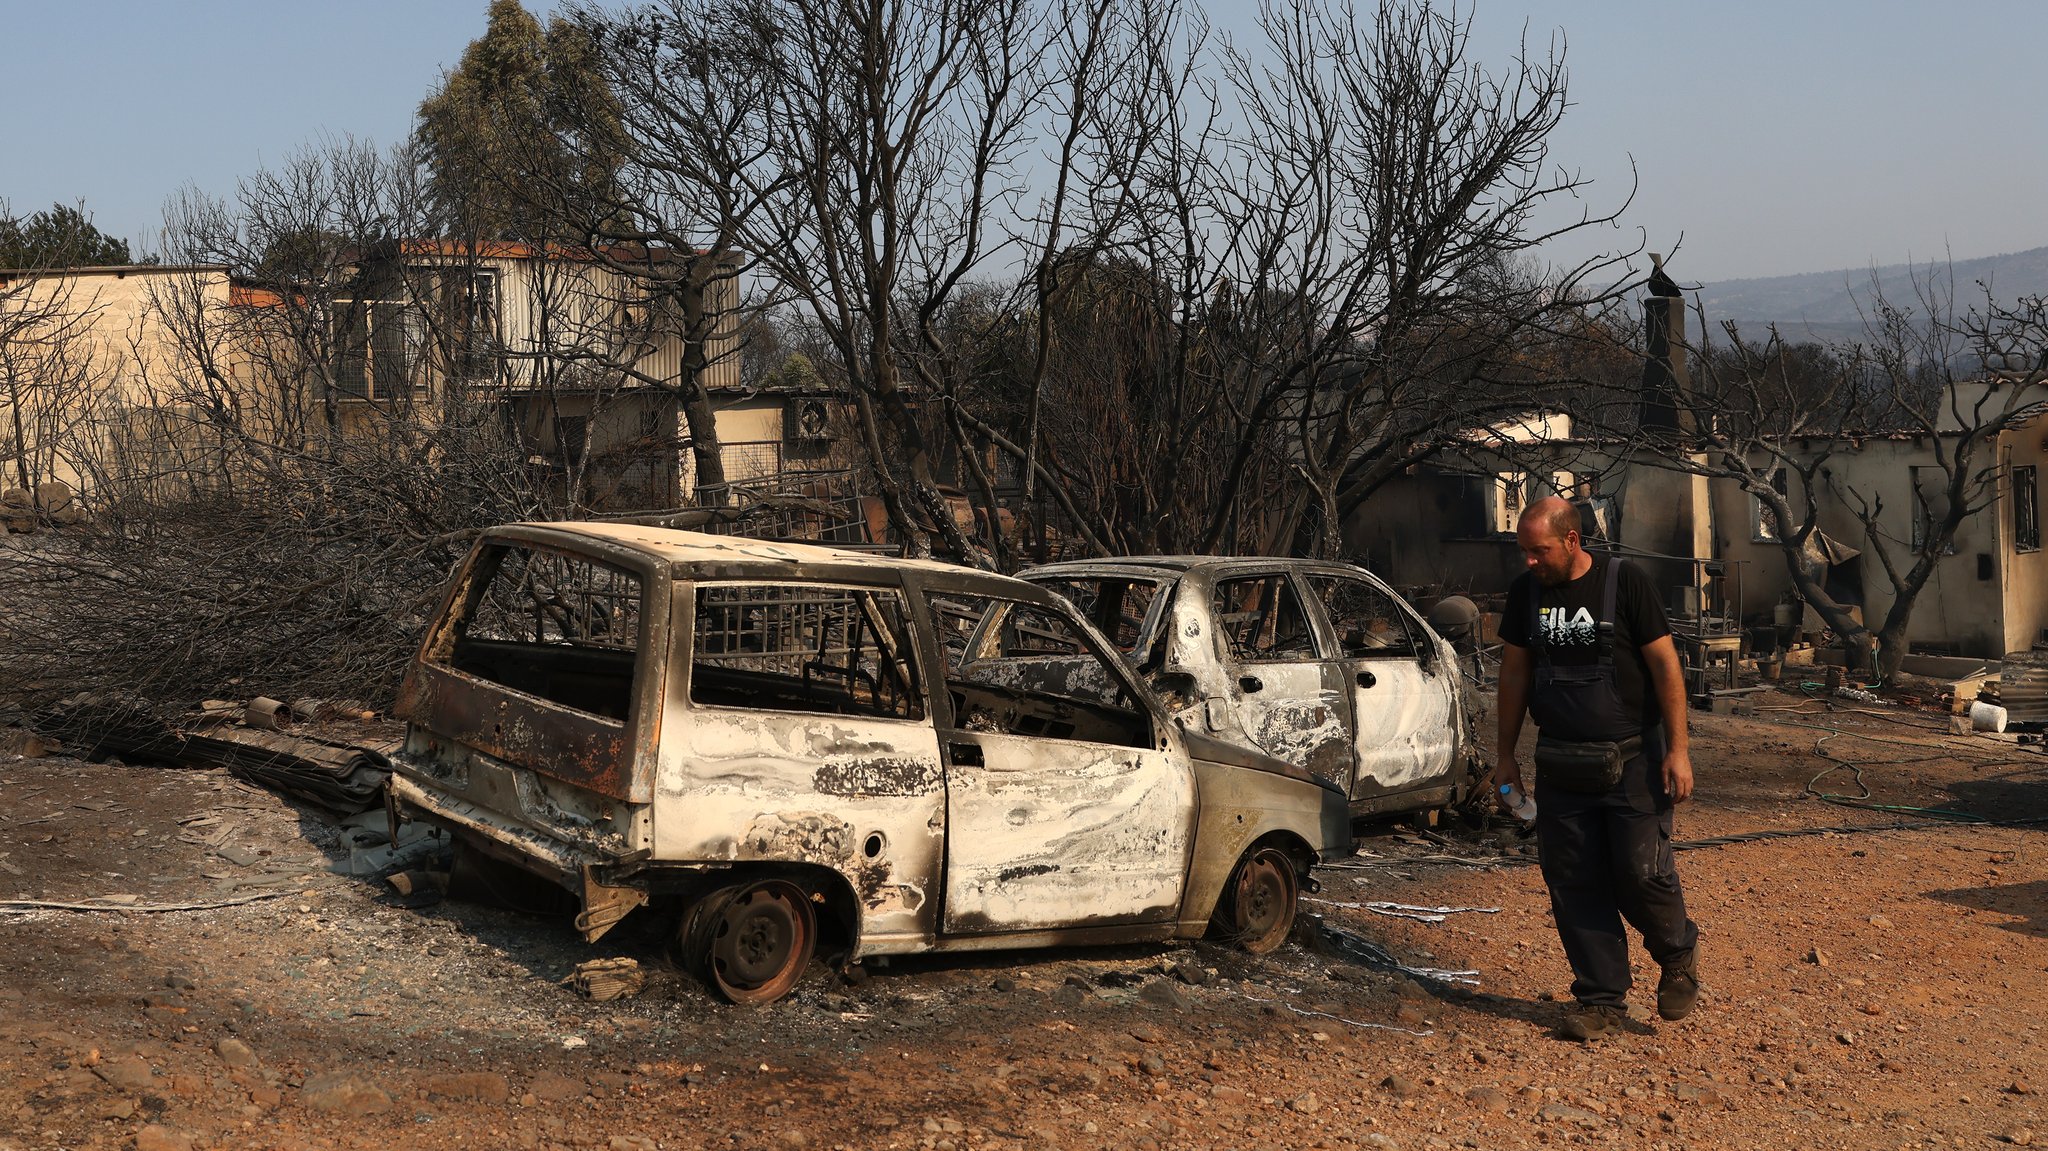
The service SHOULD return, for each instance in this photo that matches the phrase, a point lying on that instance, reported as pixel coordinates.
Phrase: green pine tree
(58, 238)
(521, 136)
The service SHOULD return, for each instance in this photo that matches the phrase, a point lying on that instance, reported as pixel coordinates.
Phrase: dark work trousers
(1606, 858)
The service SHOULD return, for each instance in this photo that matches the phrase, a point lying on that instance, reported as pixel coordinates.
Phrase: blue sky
(1774, 137)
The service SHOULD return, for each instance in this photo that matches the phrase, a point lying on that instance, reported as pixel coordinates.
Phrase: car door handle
(1249, 684)
(1366, 679)
(964, 754)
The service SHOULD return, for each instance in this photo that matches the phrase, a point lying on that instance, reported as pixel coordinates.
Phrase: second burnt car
(1320, 664)
(797, 748)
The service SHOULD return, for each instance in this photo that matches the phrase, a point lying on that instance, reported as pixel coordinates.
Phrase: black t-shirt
(1570, 613)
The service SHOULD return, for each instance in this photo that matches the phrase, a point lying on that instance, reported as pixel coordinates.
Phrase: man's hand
(1678, 774)
(1506, 771)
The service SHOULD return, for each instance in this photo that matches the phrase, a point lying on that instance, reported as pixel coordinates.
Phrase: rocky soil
(1864, 988)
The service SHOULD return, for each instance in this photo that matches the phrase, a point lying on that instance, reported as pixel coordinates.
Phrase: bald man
(1587, 653)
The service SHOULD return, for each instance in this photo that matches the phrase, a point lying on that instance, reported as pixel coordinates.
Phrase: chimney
(1659, 412)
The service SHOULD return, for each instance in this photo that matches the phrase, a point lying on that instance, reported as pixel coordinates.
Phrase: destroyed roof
(677, 546)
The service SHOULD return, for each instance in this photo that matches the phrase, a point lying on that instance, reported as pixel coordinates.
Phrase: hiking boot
(1678, 989)
(1586, 1022)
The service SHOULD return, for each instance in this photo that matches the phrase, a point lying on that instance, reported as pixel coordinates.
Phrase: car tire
(1259, 901)
(752, 942)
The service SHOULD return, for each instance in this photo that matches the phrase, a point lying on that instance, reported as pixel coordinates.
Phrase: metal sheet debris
(339, 778)
(1309, 1014)
(1406, 910)
(1376, 956)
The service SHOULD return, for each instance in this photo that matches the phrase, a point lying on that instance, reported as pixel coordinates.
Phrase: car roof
(1182, 564)
(673, 545)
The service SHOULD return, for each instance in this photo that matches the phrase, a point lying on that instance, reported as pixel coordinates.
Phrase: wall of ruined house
(749, 439)
(1421, 530)
(628, 463)
(1441, 526)
(127, 402)
(1429, 529)
(1961, 608)
(755, 444)
(2025, 573)
(555, 304)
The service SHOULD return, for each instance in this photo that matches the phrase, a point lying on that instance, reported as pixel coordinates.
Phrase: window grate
(2026, 514)
(804, 648)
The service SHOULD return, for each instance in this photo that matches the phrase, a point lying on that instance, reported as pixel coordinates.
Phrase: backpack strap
(1609, 593)
(1536, 643)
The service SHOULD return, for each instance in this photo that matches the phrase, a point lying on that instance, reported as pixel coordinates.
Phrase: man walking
(1587, 653)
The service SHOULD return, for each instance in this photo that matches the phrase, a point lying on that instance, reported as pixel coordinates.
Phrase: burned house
(1660, 497)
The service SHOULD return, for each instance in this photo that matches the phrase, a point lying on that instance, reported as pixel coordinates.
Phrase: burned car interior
(1262, 620)
(1367, 622)
(1030, 673)
(1118, 608)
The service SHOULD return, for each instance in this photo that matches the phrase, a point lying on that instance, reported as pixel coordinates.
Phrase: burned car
(1320, 664)
(795, 748)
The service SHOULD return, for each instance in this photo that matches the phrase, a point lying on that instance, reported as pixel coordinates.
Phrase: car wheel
(754, 941)
(1258, 906)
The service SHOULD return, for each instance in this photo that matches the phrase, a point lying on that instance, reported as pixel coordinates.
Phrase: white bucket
(1987, 716)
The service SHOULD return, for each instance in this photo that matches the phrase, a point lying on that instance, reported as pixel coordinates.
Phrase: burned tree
(1387, 188)
(885, 140)
(284, 494)
(1308, 278)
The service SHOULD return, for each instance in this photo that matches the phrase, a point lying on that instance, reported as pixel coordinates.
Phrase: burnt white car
(1320, 664)
(794, 746)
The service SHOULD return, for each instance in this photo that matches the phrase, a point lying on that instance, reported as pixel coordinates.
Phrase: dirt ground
(1871, 988)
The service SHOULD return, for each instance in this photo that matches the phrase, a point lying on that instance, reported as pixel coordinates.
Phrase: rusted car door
(540, 662)
(1278, 689)
(1064, 806)
(1403, 700)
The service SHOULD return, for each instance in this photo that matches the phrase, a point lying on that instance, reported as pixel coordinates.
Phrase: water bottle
(1512, 798)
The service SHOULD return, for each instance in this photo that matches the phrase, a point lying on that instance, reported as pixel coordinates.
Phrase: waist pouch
(1589, 766)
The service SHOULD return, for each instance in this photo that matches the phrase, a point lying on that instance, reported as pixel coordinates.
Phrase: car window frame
(484, 569)
(1422, 648)
(683, 684)
(1320, 648)
(1144, 703)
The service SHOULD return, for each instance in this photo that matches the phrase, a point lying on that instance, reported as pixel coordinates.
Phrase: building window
(1764, 526)
(2026, 510)
(1510, 489)
(477, 344)
(457, 315)
(1597, 513)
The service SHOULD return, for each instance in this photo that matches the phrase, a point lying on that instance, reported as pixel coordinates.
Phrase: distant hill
(1823, 305)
